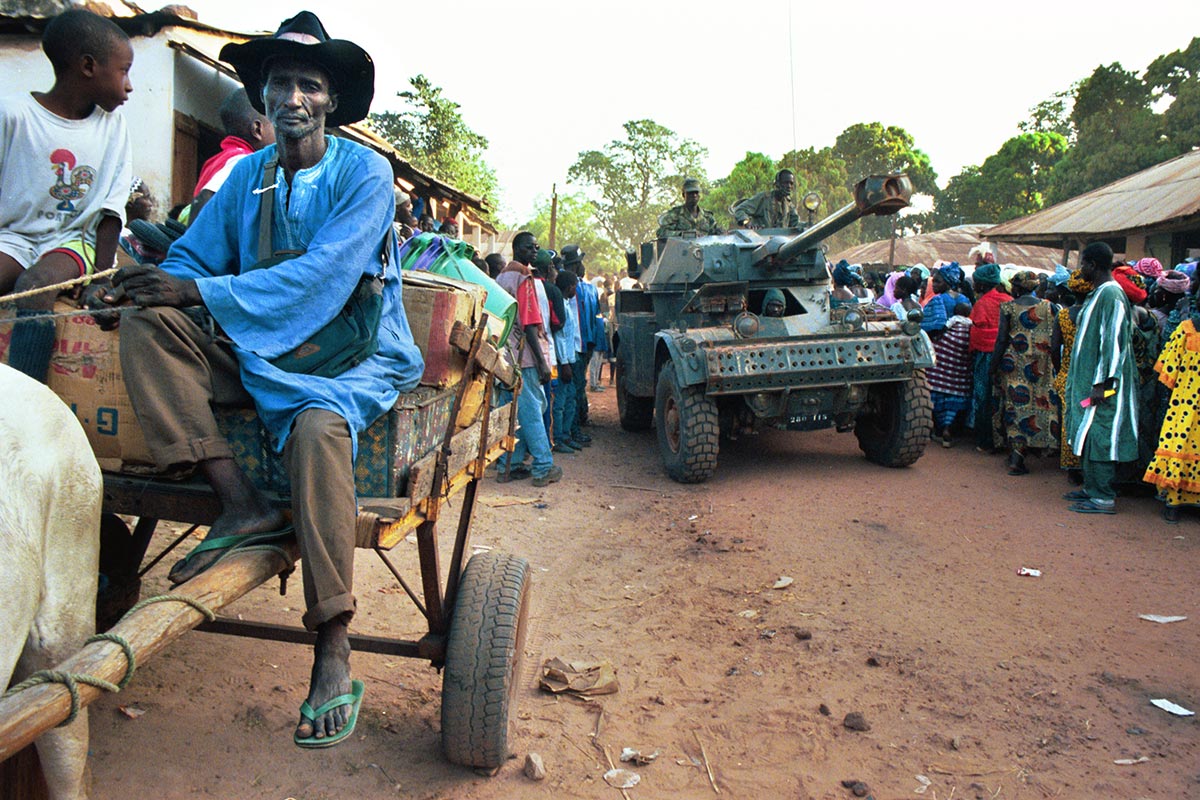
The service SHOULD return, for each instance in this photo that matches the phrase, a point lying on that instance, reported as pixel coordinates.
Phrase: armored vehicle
(699, 359)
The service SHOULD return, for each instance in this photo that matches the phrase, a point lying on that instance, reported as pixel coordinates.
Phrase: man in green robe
(1100, 408)
(689, 218)
(773, 209)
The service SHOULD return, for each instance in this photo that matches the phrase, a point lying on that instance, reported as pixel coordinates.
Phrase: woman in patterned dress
(1026, 415)
(1080, 288)
(1175, 468)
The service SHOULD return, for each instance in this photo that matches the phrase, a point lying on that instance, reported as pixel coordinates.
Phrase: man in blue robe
(211, 326)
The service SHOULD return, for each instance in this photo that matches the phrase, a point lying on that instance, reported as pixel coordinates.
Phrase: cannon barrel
(875, 195)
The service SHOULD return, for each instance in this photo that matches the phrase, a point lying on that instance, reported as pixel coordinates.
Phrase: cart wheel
(487, 635)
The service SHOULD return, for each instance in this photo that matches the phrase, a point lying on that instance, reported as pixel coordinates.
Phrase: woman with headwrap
(844, 282)
(985, 325)
(1171, 286)
(1026, 417)
(1079, 288)
(949, 378)
(1147, 342)
(946, 297)
(1175, 467)
(889, 298)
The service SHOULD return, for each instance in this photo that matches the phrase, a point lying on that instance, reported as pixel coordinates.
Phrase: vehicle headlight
(746, 325)
(854, 319)
(812, 201)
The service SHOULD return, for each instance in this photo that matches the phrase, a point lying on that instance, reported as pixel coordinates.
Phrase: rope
(58, 287)
(208, 613)
(67, 679)
(72, 679)
(130, 658)
(78, 312)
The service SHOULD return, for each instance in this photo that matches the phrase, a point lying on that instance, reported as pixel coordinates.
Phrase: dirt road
(905, 606)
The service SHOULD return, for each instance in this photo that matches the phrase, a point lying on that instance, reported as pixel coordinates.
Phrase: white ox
(50, 497)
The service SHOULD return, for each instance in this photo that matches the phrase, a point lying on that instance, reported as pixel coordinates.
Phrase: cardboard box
(433, 304)
(85, 371)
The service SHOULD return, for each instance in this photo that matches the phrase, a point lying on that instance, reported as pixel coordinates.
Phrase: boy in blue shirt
(65, 174)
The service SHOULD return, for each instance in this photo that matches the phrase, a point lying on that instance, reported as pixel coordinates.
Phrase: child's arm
(108, 231)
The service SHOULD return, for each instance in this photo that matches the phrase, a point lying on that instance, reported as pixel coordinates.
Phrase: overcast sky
(545, 80)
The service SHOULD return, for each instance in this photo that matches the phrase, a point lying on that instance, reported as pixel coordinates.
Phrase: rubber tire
(635, 413)
(479, 681)
(693, 458)
(897, 434)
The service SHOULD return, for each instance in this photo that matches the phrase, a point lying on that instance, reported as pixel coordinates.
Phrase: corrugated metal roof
(949, 244)
(1161, 197)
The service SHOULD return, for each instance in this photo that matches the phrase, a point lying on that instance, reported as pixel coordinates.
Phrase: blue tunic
(338, 211)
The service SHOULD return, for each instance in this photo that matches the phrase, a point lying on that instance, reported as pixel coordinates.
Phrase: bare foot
(330, 678)
(230, 523)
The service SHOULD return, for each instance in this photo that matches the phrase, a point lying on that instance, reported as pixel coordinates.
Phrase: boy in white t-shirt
(65, 175)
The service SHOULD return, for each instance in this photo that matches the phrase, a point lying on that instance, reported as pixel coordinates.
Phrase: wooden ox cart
(436, 444)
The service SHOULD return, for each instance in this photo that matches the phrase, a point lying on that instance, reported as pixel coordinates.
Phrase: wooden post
(30, 713)
(553, 214)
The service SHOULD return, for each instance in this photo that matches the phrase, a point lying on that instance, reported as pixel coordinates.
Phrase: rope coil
(71, 680)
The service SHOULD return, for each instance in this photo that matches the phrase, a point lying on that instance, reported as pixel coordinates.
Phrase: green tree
(823, 172)
(1116, 133)
(633, 180)
(1011, 183)
(753, 174)
(432, 135)
(870, 148)
(1051, 116)
(575, 224)
(1177, 75)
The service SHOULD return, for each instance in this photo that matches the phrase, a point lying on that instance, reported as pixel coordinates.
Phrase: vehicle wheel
(688, 428)
(897, 426)
(636, 413)
(487, 636)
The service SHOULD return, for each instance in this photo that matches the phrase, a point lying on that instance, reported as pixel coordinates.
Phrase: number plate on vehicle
(809, 422)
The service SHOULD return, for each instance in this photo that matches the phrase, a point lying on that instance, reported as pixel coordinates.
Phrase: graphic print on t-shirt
(73, 181)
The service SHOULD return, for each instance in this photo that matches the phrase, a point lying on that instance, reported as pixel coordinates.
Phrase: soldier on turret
(773, 209)
(688, 218)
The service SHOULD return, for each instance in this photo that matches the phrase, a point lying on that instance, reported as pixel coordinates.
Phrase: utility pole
(553, 214)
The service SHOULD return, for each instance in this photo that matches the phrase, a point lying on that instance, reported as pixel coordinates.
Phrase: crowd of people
(1097, 369)
(561, 344)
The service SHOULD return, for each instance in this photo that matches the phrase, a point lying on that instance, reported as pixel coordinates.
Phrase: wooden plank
(464, 447)
(30, 713)
(489, 358)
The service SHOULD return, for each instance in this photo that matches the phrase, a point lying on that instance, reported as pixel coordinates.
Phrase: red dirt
(906, 606)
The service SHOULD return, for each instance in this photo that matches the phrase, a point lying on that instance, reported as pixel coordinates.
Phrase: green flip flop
(354, 700)
(233, 543)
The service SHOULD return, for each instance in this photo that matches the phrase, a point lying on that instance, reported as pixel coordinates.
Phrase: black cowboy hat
(572, 254)
(304, 38)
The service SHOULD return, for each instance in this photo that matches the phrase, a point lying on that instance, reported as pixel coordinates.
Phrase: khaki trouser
(175, 373)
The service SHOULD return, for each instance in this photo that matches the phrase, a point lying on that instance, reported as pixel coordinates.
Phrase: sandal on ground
(1092, 507)
(1077, 494)
(353, 699)
(1170, 515)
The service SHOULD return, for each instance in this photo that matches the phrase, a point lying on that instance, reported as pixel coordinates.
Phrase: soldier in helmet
(688, 218)
(773, 209)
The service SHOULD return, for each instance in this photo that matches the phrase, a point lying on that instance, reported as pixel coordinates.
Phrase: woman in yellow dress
(1175, 468)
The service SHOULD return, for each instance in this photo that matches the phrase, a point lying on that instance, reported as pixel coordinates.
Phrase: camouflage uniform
(679, 221)
(763, 210)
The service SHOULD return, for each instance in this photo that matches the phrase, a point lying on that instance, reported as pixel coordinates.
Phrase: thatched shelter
(949, 244)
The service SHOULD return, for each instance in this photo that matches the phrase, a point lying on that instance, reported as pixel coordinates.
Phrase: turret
(878, 195)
